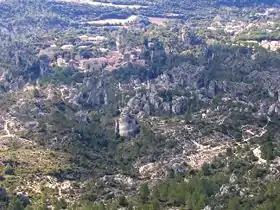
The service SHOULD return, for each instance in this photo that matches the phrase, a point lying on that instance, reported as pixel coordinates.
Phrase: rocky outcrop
(212, 89)
(127, 183)
(96, 93)
(178, 105)
(126, 126)
(233, 178)
(150, 170)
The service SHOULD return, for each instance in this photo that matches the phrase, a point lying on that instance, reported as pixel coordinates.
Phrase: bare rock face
(1, 124)
(233, 178)
(166, 107)
(271, 109)
(178, 105)
(81, 116)
(127, 126)
(148, 170)
(212, 89)
(127, 183)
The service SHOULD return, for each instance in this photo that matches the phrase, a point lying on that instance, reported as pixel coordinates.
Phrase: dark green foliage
(193, 194)
(200, 191)
(60, 204)
(126, 73)
(15, 204)
(268, 149)
(234, 204)
(60, 76)
(144, 193)
(206, 169)
(123, 201)
(9, 170)
(252, 157)
(166, 95)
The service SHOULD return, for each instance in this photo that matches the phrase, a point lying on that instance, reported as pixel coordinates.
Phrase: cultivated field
(160, 20)
(97, 3)
(114, 21)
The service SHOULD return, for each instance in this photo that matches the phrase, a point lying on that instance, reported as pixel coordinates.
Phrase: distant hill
(240, 3)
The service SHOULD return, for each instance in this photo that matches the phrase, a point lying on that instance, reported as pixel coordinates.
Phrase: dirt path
(6, 129)
(200, 146)
(8, 135)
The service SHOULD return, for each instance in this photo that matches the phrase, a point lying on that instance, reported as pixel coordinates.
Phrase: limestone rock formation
(126, 126)
(178, 105)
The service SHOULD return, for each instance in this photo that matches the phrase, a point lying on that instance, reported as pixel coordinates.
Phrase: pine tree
(144, 193)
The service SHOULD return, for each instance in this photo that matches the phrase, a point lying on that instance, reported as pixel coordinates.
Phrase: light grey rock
(277, 109)
(106, 99)
(155, 101)
(207, 208)
(263, 109)
(166, 107)
(233, 178)
(2, 123)
(178, 105)
(224, 190)
(141, 115)
(271, 93)
(271, 109)
(147, 109)
(212, 89)
(126, 126)
(81, 117)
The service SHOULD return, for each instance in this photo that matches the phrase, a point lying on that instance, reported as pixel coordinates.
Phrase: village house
(111, 62)
(271, 45)
(92, 39)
